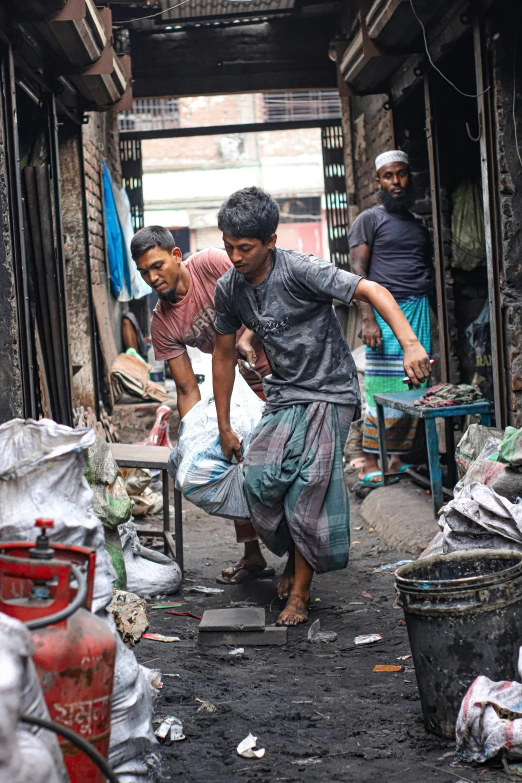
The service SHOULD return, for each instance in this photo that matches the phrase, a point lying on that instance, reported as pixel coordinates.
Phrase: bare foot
(286, 582)
(295, 611)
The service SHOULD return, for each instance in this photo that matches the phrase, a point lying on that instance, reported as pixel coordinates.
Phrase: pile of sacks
(42, 467)
(486, 511)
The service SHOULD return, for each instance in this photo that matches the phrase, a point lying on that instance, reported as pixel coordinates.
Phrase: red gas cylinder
(74, 650)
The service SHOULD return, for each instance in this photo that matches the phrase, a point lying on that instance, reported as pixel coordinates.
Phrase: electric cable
(76, 740)
(63, 614)
(465, 94)
(151, 16)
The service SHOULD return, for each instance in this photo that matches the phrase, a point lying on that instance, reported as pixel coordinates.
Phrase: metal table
(404, 401)
(156, 457)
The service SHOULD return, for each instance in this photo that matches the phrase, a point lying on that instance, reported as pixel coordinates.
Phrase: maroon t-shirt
(191, 321)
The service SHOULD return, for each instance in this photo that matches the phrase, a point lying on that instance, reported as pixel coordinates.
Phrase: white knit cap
(392, 156)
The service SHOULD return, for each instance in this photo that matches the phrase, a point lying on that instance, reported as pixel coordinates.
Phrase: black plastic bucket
(464, 617)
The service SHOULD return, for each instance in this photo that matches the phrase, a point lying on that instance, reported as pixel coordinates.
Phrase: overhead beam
(225, 130)
(287, 54)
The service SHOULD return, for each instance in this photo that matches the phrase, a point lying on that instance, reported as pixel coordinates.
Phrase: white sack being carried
(479, 518)
(28, 754)
(490, 720)
(42, 467)
(149, 572)
(197, 463)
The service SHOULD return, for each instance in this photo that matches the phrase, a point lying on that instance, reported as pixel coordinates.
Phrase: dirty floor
(318, 709)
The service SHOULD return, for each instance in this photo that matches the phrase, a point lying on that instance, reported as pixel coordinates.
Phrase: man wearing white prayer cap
(390, 245)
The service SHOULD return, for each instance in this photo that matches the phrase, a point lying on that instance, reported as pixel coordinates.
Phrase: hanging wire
(163, 11)
(515, 125)
(466, 94)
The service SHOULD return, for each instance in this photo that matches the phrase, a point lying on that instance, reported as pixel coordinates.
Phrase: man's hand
(371, 333)
(416, 363)
(230, 445)
(245, 351)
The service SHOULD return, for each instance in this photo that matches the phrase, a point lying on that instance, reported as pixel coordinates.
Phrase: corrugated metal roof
(223, 8)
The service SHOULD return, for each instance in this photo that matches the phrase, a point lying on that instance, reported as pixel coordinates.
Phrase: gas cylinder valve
(42, 550)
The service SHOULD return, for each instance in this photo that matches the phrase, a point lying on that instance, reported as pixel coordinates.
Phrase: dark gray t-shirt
(400, 250)
(292, 313)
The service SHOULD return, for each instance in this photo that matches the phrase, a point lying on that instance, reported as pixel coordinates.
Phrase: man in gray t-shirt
(294, 481)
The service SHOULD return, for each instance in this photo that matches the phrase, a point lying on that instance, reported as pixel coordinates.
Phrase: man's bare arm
(359, 265)
(223, 373)
(186, 385)
(416, 360)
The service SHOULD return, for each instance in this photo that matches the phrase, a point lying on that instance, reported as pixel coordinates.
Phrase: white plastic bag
(148, 572)
(201, 471)
(490, 719)
(28, 754)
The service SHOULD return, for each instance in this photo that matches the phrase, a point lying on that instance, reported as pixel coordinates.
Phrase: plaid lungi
(383, 374)
(294, 483)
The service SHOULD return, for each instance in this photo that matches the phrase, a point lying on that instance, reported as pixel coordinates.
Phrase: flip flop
(403, 469)
(254, 571)
(367, 483)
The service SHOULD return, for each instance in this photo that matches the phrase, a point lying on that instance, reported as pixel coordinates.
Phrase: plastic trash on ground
(247, 748)
(315, 634)
(205, 590)
(367, 638)
(201, 471)
(129, 615)
(170, 730)
(149, 573)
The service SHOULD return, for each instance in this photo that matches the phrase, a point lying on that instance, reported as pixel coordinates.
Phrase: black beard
(169, 296)
(401, 203)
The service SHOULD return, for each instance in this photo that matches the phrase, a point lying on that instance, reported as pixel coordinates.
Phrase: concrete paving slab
(402, 514)
(239, 619)
(271, 636)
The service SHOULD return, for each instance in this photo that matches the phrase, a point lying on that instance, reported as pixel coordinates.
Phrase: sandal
(248, 571)
(367, 483)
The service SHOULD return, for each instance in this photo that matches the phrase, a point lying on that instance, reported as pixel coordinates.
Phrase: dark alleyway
(319, 703)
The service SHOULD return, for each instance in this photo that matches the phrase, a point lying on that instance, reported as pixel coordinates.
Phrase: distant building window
(150, 114)
(300, 210)
(306, 105)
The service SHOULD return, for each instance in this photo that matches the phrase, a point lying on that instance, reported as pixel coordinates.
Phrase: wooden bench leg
(168, 541)
(178, 527)
(383, 451)
(432, 443)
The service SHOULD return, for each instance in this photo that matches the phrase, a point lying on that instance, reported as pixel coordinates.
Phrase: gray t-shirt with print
(292, 313)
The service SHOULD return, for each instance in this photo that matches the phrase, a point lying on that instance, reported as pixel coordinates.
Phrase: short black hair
(149, 237)
(249, 212)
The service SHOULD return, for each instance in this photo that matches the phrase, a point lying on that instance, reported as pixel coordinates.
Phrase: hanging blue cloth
(126, 282)
(116, 248)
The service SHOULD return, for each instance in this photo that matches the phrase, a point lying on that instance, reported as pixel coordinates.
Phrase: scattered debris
(171, 675)
(205, 590)
(165, 606)
(354, 543)
(365, 595)
(237, 651)
(158, 637)
(247, 748)
(170, 730)
(389, 566)
(206, 706)
(307, 762)
(184, 614)
(401, 622)
(387, 667)
(316, 635)
(367, 638)
(404, 657)
(129, 614)
(358, 528)
(370, 530)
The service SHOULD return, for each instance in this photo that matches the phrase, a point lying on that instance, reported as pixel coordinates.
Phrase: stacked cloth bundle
(294, 482)
(444, 395)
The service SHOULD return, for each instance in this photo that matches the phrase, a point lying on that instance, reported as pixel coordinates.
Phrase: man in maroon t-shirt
(184, 316)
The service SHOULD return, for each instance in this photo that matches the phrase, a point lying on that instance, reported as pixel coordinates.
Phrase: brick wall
(372, 129)
(93, 147)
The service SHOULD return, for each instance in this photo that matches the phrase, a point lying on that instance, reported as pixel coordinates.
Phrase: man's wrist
(409, 343)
